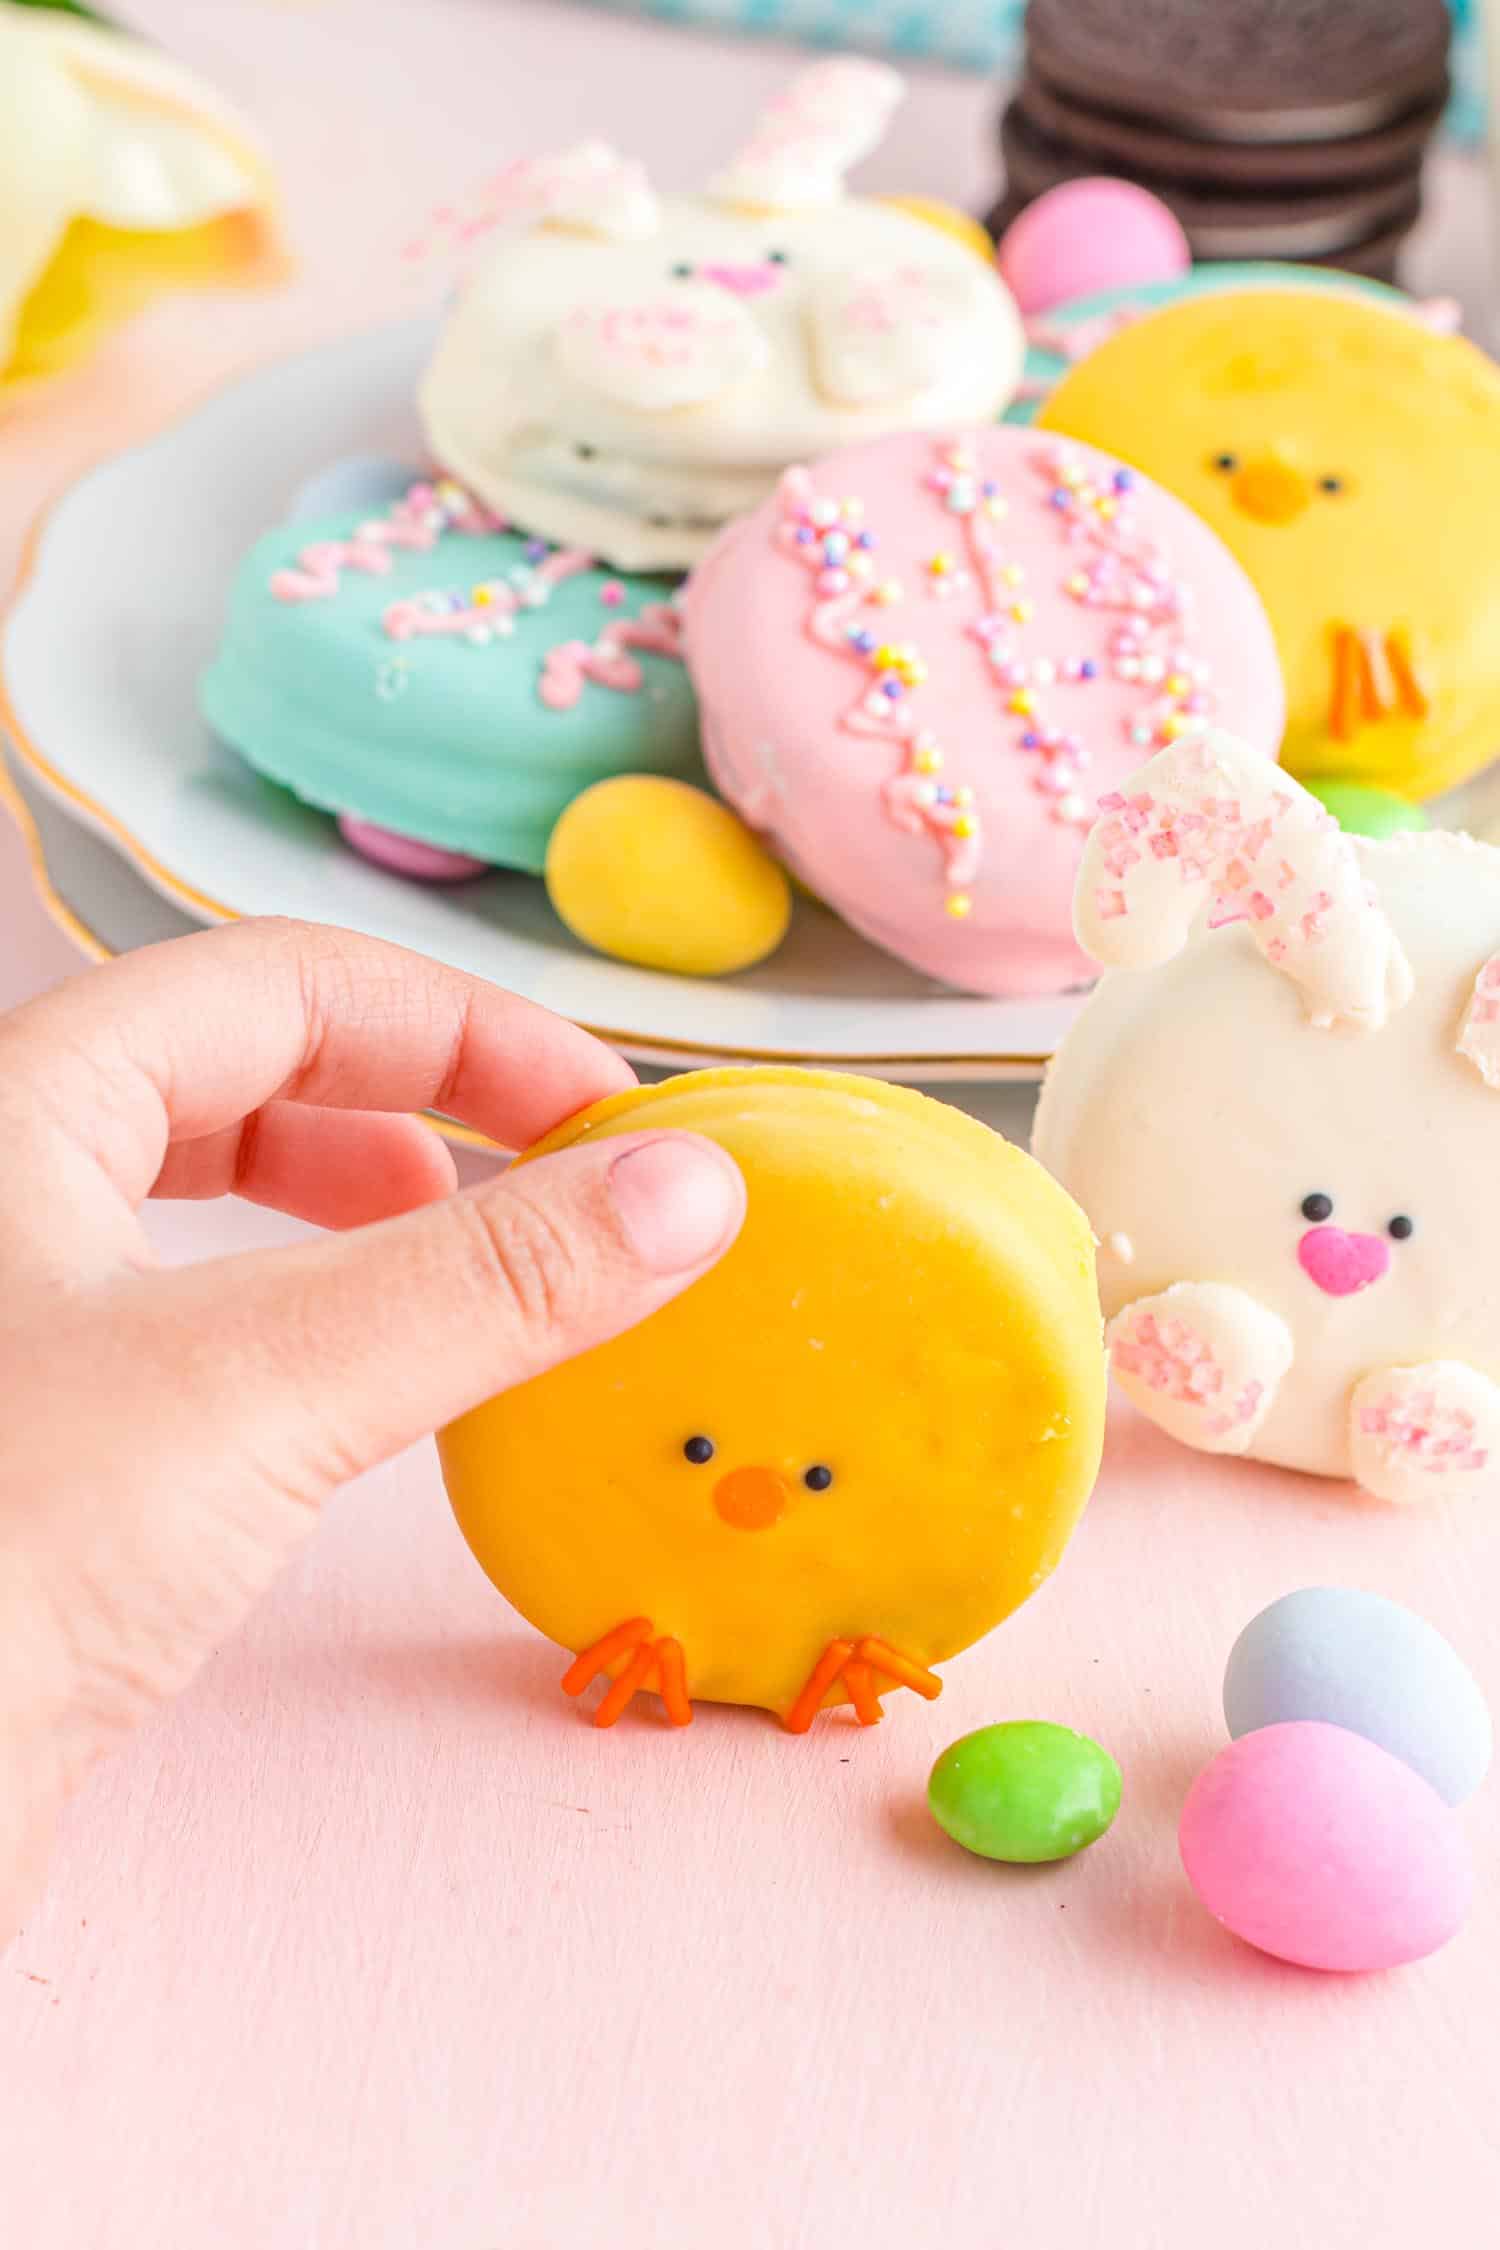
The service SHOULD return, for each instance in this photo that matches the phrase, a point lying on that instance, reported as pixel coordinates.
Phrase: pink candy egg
(1088, 235)
(1318, 1846)
(405, 855)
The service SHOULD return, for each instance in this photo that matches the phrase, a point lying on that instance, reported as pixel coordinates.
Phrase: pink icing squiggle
(434, 616)
(1113, 568)
(657, 631)
(824, 535)
(415, 522)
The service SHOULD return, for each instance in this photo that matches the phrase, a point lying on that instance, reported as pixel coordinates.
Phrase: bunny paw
(1203, 1361)
(1426, 1433)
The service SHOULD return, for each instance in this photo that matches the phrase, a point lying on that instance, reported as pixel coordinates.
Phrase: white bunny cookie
(625, 372)
(1280, 1110)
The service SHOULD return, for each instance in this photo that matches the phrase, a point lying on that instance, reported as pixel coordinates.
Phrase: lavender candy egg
(1317, 1846)
(1359, 1661)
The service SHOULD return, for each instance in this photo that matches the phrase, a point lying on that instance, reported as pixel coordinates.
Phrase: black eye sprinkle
(683, 270)
(698, 1450)
(1401, 1228)
(585, 452)
(1317, 1208)
(1330, 484)
(817, 1478)
(777, 258)
(1228, 462)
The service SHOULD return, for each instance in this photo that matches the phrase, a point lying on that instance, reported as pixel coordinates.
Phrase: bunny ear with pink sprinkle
(589, 187)
(815, 130)
(1208, 822)
(1479, 1034)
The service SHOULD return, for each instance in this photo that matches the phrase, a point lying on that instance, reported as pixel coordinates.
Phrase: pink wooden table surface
(371, 1944)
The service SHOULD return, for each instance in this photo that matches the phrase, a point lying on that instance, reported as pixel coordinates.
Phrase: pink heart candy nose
(745, 281)
(1342, 1263)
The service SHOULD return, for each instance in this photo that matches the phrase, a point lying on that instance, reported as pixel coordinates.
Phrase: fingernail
(679, 1201)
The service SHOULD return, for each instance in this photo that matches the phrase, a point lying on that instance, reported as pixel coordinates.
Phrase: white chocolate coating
(1195, 1106)
(630, 396)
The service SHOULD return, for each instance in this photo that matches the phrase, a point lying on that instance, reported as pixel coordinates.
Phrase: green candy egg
(1026, 1791)
(1363, 811)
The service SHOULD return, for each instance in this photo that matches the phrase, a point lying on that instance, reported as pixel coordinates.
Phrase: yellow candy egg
(661, 874)
(948, 219)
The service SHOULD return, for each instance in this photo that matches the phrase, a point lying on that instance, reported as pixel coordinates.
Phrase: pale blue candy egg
(359, 480)
(1358, 1661)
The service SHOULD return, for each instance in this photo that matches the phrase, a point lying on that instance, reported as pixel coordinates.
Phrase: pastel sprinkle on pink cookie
(949, 648)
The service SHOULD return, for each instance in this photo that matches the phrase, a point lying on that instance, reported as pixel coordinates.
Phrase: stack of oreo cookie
(1286, 129)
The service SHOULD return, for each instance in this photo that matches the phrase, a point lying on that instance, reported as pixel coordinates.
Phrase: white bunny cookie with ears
(625, 372)
(1280, 1109)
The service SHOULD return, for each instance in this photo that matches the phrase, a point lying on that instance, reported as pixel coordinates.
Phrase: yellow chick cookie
(658, 873)
(1350, 458)
(841, 1457)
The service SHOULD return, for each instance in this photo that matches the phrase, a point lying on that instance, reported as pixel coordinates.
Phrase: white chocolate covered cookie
(626, 372)
(1281, 1119)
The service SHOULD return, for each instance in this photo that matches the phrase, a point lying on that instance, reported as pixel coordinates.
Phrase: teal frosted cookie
(440, 681)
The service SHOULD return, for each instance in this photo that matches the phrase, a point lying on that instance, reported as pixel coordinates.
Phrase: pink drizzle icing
(417, 521)
(1111, 566)
(435, 616)
(1114, 568)
(658, 630)
(824, 536)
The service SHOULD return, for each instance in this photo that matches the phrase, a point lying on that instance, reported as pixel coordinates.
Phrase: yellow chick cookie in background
(1350, 458)
(845, 1454)
(121, 176)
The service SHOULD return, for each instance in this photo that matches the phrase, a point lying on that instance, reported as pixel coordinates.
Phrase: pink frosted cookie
(922, 663)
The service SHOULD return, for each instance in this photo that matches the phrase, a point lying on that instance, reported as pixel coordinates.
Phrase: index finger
(180, 1040)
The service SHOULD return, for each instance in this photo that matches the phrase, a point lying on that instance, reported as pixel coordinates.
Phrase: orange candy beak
(1270, 491)
(752, 1499)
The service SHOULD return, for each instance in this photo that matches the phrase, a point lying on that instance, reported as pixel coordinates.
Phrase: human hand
(170, 1435)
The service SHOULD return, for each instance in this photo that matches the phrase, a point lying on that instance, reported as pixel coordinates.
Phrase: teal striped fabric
(978, 35)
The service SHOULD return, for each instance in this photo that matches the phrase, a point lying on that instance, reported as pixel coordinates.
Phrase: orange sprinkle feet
(650, 1663)
(1350, 684)
(867, 1668)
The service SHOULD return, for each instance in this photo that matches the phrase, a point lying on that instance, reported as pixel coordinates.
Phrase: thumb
(330, 1357)
(250, 1388)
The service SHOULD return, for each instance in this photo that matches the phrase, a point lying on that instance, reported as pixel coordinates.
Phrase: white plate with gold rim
(100, 901)
(118, 613)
